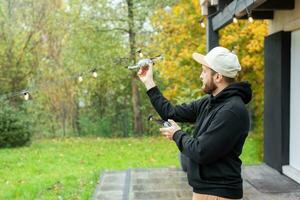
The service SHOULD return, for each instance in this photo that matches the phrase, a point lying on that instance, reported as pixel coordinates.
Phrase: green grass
(252, 151)
(71, 167)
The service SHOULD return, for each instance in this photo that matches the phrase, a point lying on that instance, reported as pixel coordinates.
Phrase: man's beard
(209, 87)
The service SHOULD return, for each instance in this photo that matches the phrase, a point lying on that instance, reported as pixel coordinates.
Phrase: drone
(145, 62)
(161, 122)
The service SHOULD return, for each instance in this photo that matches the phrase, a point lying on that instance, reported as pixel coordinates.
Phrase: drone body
(145, 62)
(141, 63)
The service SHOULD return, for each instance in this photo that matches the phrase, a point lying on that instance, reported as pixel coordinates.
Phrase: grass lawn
(70, 168)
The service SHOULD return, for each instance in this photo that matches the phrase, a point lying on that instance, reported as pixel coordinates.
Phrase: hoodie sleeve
(179, 113)
(218, 140)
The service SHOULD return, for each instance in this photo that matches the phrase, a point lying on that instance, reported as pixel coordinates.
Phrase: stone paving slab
(111, 186)
(267, 180)
(260, 183)
(159, 184)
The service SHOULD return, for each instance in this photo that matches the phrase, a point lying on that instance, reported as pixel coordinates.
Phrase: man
(221, 125)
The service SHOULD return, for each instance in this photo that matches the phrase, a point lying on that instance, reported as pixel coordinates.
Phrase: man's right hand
(146, 76)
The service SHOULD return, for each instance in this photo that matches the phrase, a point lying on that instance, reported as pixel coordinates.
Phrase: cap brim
(200, 59)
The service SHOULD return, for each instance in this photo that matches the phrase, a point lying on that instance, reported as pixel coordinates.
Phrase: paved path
(260, 183)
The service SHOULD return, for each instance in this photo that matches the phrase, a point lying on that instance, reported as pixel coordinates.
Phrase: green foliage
(103, 127)
(14, 127)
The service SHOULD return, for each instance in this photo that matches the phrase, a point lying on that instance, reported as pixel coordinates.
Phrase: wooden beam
(212, 37)
(237, 7)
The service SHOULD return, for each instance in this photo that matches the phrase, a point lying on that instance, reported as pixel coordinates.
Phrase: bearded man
(221, 125)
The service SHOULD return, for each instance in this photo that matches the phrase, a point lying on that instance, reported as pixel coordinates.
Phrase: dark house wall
(277, 99)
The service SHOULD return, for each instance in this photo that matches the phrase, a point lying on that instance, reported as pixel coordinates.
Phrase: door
(294, 168)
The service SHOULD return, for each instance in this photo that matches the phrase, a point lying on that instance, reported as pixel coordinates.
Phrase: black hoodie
(221, 127)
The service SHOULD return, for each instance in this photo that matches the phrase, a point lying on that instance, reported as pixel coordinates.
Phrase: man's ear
(219, 78)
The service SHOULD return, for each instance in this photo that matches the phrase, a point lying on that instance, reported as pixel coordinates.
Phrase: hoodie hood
(242, 89)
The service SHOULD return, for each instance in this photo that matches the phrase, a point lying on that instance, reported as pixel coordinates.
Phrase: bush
(94, 126)
(14, 127)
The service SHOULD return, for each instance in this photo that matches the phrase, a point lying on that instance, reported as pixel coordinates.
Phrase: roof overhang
(236, 7)
(226, 9)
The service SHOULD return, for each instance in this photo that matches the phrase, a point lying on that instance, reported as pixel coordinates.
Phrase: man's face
(207, 79)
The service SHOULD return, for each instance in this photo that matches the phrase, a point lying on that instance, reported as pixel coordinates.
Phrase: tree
(19, 42)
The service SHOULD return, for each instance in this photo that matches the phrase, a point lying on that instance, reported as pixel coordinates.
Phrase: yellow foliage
(180, 35)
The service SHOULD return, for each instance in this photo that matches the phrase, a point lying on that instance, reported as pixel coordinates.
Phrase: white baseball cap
(220, 60)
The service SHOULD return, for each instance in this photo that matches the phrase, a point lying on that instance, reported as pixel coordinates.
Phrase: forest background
(45, 46)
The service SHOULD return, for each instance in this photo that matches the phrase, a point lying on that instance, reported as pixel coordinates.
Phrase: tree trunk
(75, 118)
(63, 117)
(136, 100)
